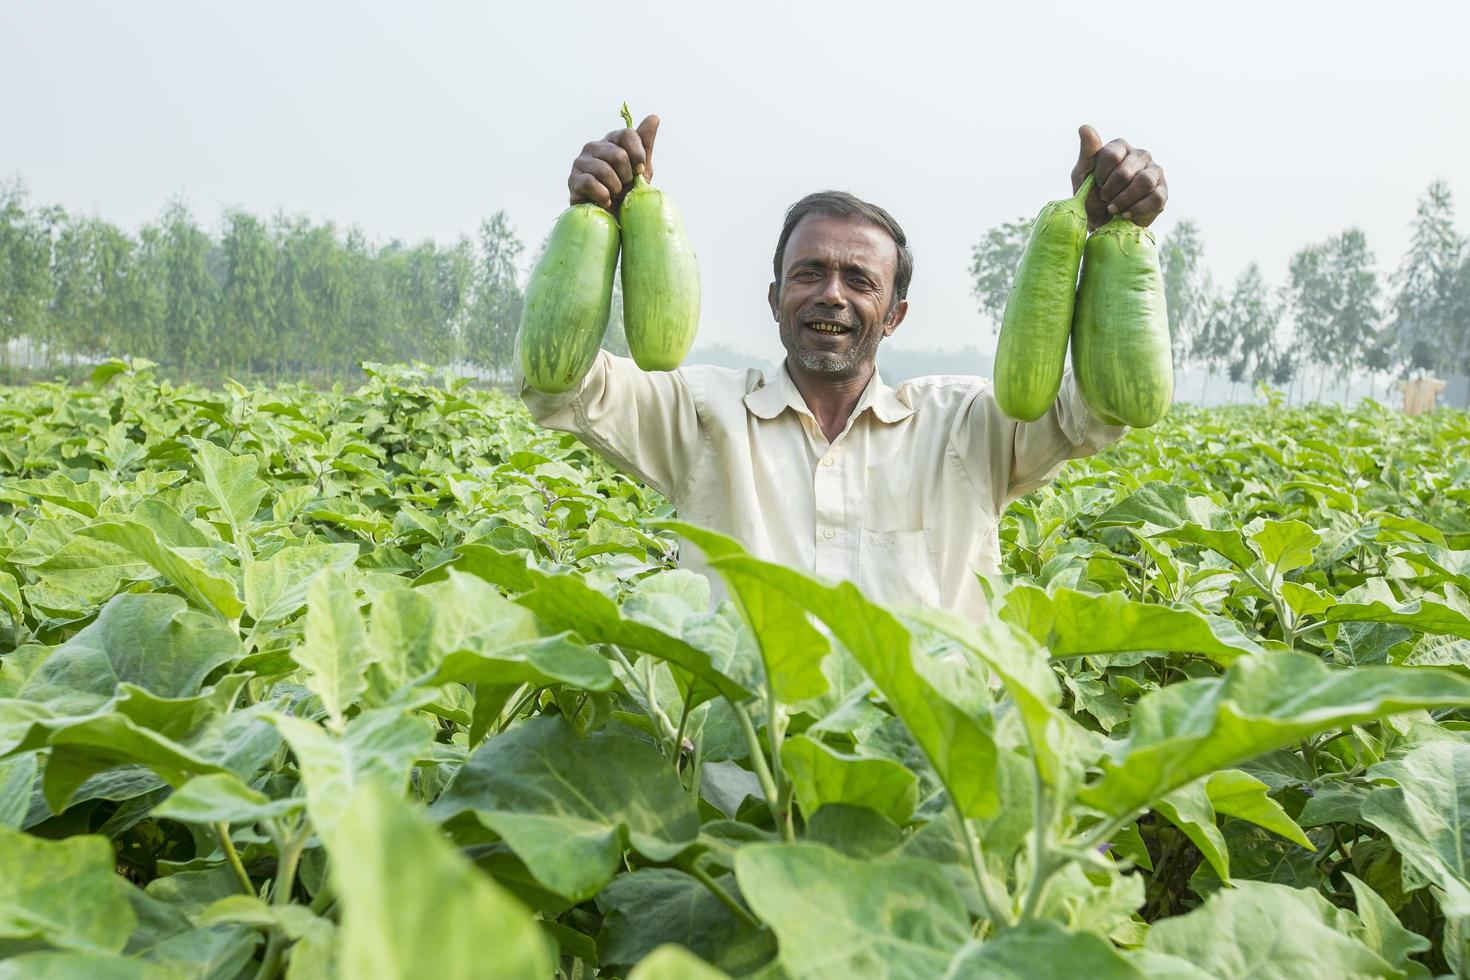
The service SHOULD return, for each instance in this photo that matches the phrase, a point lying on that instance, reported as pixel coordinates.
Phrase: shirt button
(829, 534)
(826, 460)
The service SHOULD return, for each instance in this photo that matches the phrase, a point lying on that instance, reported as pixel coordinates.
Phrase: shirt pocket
(898, 567)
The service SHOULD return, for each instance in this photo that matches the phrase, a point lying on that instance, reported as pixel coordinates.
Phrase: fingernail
(1112, 209)
(1128, 215)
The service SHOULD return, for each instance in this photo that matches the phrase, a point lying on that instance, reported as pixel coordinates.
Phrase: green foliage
(284, 297)
(387, 681)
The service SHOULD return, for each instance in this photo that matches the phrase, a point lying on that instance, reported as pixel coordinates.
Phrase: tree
(1333, 294)
(247, 297)
(189, 289)
(1249, 324)
(1188, 291)
(993, 266)
(496, 297)
(1426, 336)
(25, 268)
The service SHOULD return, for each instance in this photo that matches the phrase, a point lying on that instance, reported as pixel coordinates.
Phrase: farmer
(822, 466)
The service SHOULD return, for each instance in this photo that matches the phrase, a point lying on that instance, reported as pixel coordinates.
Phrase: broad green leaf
(1056, 740)
(823, 775)
(674, 963)
(276, 587)
(84, 966)
(1259, 931)
(411, 906)
(1381, 931)
(1450, 565)
(1424, 808)
(1189, 809)
(1041, 951)
(1241, 795)
(222, 797)
(1169, 511)
(83, 746)
(569, 806)
(853, 830)
(543, 662)
(231, 482)
(203, 587)
(1074, 624)
(790, 648)
(1188, 730)
(1286, 545)
(653, 906)
(83, 574)
(334, 652)
(17, 776)
(566, 602)
(378, 746)
(1427, 614)
(153, 641)
(413, 631)
(940, 702)
(838, 917)
(63, 893)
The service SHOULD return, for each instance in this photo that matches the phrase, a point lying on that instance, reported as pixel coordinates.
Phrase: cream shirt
(905, 502)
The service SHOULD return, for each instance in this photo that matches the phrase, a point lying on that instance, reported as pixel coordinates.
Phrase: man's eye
(805, 274)
(859, 282)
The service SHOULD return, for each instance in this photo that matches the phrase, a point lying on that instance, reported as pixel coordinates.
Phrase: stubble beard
(826, 363)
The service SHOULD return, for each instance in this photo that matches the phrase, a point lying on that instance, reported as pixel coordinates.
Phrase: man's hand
(604, 171)
(1128, 182)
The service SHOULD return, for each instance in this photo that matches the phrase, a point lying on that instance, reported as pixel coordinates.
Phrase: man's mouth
(827, 327)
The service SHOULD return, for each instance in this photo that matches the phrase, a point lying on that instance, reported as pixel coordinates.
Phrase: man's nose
(832, 291)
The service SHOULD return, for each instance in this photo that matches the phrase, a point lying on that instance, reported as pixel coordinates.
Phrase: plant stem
(683, 724)
(222, 829)
(1042, 861)
(758, 759)
(510, 716)
(994, 909)
(725, 898)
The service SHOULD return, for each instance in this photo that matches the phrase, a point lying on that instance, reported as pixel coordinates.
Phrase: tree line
(1333, 312)
(283, 297)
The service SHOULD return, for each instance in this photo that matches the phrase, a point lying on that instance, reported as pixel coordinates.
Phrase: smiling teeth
(828, 327)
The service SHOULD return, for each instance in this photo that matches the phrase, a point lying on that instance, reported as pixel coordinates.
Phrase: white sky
(1278, 123)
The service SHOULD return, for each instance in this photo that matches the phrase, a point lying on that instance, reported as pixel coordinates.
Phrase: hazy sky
(1277, 123)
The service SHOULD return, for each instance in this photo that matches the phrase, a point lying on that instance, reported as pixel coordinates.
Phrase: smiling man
(822, 466)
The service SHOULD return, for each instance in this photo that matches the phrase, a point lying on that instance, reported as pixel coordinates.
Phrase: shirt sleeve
(1006, 459)
(644, 422)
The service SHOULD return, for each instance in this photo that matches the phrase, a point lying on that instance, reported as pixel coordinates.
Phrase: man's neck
(831, 401)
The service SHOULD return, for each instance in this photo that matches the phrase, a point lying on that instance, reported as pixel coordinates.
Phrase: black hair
(840, 204)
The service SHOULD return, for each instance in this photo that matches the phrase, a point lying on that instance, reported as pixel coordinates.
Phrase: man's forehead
(848, 237)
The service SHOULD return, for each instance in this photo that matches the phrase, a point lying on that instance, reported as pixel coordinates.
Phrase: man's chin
(829, 364)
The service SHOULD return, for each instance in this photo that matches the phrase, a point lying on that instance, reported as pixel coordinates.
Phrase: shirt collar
(780, 393)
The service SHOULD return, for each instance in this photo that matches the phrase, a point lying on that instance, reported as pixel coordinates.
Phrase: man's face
(835, 298)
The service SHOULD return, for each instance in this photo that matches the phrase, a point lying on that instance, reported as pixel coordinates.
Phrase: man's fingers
(587, 188)
(1122, 175)
(1088, 145)
(1146, 209)
(1108, 159)
(604, 173)
(627, 140)
(614, 156)
(647, 133)
(1140, 187)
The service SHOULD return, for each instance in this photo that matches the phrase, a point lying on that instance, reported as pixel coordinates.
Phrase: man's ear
(900, 310)
(773, 296)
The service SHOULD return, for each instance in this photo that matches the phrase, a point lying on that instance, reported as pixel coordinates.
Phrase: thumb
(647, 132)
(1089, 143)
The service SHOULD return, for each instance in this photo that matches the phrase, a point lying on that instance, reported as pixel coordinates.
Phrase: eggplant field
(388, 682)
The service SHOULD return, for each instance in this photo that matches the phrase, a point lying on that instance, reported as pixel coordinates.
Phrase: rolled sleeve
(1007, 459)
(646, 423)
